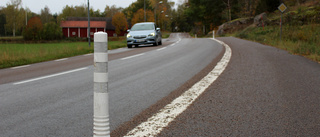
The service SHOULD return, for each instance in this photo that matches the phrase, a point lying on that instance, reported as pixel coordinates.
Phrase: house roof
(83, 24)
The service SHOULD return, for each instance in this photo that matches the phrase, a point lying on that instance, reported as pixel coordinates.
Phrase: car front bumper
(148, 40)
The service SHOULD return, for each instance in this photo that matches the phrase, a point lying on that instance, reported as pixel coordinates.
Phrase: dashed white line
(132, 56)
(61, 59)
(157, 122)
(20, 67)
(161, 48)
(49, 76)
(178, 41)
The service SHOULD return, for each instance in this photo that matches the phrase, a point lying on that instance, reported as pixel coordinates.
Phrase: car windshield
(138, 27)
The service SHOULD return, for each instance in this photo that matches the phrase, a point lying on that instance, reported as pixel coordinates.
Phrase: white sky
(56, 6)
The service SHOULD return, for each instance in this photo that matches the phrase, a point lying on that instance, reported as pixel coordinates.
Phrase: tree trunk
(249, 8)
(14, 29)
(229, 10)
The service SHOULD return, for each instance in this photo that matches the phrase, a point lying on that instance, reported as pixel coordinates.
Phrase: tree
(267, 6)
(209, 13)
(134, 7)
(78, 11)
(119, 21)
(33, 29)
(110, 11)
(13, 16)
(233, 8)
(2, 23)
(139, 16)
(45, 15)
(51, 31)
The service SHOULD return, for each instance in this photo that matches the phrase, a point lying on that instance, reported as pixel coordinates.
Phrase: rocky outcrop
(238, 24)
(234, 25)
(261, 20)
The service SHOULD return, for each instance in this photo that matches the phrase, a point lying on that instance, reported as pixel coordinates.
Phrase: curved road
(56, 98)
(263, 91)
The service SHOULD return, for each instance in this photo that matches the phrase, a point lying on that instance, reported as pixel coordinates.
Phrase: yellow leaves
(120, 22)
(139, 16)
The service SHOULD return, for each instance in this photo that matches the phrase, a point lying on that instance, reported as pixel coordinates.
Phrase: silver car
(144, 33)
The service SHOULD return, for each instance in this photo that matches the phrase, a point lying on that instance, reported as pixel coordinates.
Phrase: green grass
(117, 44)
(21, 54)
(165, 34)
(12, 38)
(299, 40)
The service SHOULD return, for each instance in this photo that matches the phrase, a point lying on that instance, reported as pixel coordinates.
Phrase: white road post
(213, 34)
(100, 77)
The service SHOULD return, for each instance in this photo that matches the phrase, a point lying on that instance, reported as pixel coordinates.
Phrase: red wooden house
(78, 27)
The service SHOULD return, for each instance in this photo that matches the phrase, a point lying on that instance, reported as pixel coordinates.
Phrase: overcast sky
(56, 6)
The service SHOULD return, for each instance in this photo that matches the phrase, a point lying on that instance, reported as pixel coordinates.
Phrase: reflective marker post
(100, 77)
(213, 34)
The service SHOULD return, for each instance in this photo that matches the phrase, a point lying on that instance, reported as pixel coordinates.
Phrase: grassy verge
(12, 38)
(165, 34)
(21, 54)
(299, 40)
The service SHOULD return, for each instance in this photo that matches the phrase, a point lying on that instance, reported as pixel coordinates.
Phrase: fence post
(100, 77)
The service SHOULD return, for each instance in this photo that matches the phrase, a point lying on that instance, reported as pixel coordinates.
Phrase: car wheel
(155, 43)
(137, 46)
(129, 46)
(160, 43)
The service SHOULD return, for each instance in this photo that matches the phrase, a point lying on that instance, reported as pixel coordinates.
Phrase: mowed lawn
(21, 54)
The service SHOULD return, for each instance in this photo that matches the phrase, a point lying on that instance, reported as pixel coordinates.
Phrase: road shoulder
(144, 115)
(264, 91)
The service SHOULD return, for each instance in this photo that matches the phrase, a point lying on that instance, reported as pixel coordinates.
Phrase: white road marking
(88, 54)
(157, 122)
(161, 48)
(20, 67)
(132, 56)
(49, 76)
(178, 41)
(61, 59)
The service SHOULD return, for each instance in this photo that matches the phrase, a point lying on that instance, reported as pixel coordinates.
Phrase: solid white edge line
(49, 76)
(20, 67)
(88, 54)
(157, 122)
(132, 56)
(61, 59)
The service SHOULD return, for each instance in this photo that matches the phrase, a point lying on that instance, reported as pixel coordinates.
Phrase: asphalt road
(264, 91)
(56, 98)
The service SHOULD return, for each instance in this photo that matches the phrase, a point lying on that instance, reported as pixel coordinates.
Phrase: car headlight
(129, 36)
(152, 34)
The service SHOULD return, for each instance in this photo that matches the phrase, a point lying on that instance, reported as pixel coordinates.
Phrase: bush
(51, 31)
(33, 30)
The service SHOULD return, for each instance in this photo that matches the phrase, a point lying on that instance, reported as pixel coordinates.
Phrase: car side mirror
(128, 30)
(158, 29)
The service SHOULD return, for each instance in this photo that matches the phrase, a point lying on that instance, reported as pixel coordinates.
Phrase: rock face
(261, 20)
(234, 25)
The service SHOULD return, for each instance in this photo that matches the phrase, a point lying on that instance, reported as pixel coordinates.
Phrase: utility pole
(144, 11)
(89, 25)
(26, 17)
(155, 16)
